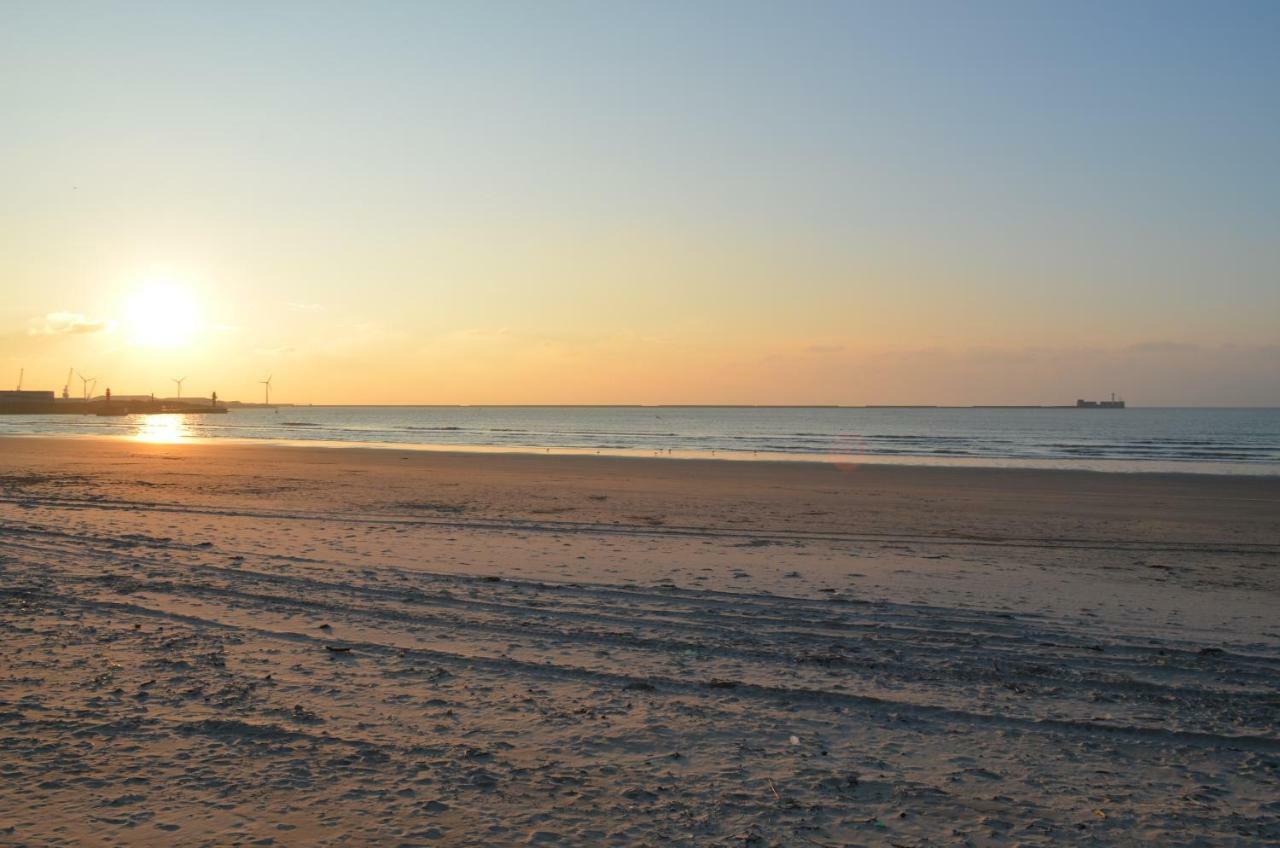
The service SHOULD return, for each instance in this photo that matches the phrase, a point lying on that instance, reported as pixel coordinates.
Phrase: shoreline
(1123, 467)
(974, 492)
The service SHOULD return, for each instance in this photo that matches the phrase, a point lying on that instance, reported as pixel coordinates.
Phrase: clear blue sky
(812, 186)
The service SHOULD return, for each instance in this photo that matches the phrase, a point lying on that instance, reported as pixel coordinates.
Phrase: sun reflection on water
(163, 429)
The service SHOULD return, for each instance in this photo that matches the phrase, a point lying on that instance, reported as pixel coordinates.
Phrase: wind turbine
(22, 372)
(85, 381)
(178, 380)
(66, 387)
(266, 390)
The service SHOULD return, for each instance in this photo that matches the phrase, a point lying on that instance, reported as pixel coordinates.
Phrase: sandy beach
(225, 644)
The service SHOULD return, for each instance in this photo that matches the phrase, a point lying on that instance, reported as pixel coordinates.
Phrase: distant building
(25, 395)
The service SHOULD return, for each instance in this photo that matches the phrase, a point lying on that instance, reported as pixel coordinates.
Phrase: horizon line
(1271, 405)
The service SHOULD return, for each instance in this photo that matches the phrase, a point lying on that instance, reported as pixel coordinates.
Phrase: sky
(657, 202)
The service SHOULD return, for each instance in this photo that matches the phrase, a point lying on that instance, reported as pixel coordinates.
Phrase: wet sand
(244, 644)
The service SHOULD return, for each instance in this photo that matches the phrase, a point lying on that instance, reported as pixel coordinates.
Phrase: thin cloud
(69, 323)
(1163, 347)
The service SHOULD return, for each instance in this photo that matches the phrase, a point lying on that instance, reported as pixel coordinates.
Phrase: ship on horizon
(1114, 403)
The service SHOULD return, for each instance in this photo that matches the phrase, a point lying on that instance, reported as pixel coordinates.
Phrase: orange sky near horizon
(447, 204)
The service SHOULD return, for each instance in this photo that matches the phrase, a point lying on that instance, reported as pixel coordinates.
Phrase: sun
(162, 314)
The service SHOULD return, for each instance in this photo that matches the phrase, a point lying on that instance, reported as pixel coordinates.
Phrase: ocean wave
(1226, 438)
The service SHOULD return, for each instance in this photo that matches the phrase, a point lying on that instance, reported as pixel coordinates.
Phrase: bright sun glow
(162, 314)
(162, 429)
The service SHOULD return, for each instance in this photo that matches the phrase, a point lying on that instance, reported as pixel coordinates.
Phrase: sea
(1222, 441)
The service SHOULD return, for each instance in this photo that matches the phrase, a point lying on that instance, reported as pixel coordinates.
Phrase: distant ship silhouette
(1100, 404)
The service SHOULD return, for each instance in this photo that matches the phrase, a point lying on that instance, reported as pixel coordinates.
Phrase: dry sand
(602, 651)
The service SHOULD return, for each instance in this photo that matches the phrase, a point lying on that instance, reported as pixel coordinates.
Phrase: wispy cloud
(69, 323)
(306, 307)
(1163, 347)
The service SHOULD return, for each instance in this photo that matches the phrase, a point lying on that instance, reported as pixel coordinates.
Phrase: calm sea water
(1236, 441)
